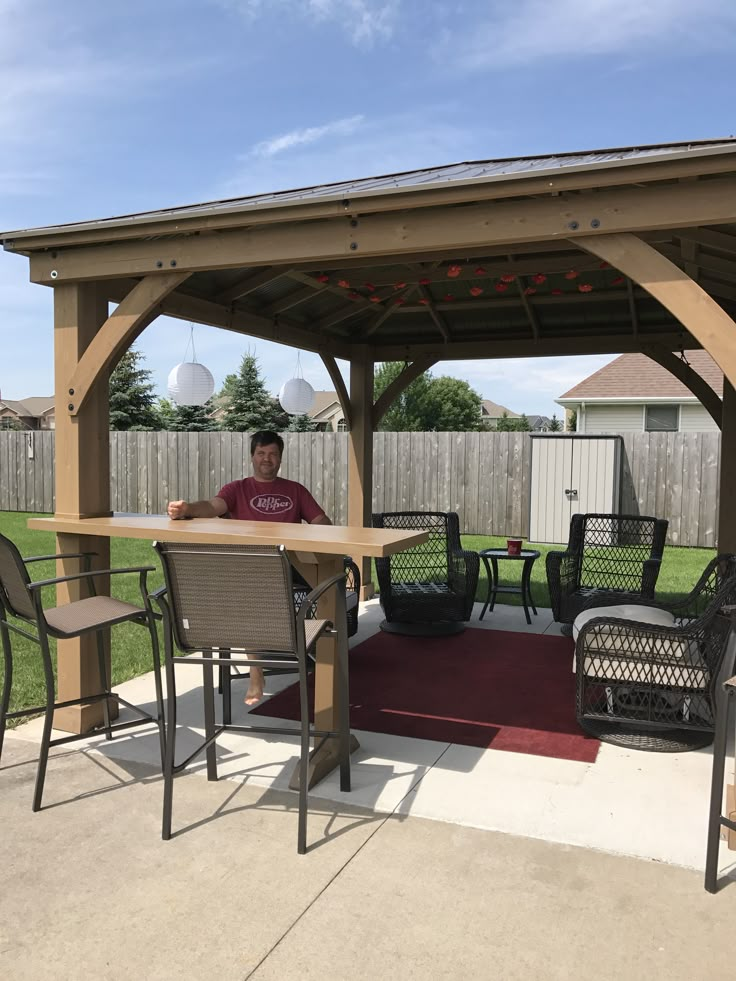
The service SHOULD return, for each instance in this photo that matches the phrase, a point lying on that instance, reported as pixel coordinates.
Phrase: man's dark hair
(266, 438)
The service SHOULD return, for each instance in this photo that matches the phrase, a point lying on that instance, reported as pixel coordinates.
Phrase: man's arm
(321, 519)
(213, 508)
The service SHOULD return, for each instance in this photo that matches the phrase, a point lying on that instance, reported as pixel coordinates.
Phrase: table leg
(326, 695)
(492, 595)
(526, 589)
(489, 580)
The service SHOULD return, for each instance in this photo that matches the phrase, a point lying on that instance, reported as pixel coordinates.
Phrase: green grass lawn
(131, 651)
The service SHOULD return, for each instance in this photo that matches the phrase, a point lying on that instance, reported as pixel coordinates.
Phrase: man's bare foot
(255, 688)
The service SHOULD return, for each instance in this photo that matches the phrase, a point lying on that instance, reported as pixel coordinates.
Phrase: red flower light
(476, 290)
(572, 274)
(344, 283)
(617, 281)
(529, 291)
(585, 288)
(374, 298)
(556, 292)
(425, 281)
(323, 278)
(448, 298)
(507, 278)
(454, 271)
(539, 278)
(501, 287)
(603, 265)
(424, 301)
(369, 286)
(399, 286)
(399, 301)
(480, 271)
(354, 296)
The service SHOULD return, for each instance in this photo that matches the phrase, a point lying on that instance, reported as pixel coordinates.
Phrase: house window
(342, 426)
(7, 422)
(661, 418)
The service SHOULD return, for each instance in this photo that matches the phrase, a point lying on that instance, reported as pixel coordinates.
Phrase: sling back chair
(233, 605)
(609, 559)
(21, 600)
(430, 588)
(653, 686)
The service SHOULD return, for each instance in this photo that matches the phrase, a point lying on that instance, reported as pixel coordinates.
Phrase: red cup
(514, 546)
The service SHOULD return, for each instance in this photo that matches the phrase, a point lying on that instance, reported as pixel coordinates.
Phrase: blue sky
(112, 109)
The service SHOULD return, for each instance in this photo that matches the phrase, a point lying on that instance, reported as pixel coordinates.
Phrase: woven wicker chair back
(229, 596)
(428, 562)
(614, 547)
(14, 581)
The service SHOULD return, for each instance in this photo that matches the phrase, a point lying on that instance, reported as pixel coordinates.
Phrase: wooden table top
(323, 539)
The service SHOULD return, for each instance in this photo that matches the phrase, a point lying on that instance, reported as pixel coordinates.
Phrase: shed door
(594, 477)
(549, 518)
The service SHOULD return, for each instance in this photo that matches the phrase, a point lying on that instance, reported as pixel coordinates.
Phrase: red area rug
(486, 688)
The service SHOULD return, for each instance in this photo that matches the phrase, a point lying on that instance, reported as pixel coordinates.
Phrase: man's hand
(177, 509)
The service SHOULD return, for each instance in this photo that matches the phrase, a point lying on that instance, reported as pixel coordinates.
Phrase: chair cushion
(627, 611)
(92, 613)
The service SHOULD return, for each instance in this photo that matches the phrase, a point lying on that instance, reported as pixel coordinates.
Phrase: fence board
(483, 476)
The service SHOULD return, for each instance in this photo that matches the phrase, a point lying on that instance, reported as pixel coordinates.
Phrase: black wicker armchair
(428, 589)
(648, 686)
(610, 559)
(352, 594)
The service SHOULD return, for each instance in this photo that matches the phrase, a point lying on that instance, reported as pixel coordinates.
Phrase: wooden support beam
(531, 314)
(686, 300)
(709, 238)
(690, 378)
(185, 306)
(727, 486)
(523, 347)
(82, 469)
(248, 284)
(122, 327)
(633, 312)
(629, 209)
(289, 301)
(408, 375)
(690, 258)
(382, 317)
(360, 453)
(342, 392)
(437, 318)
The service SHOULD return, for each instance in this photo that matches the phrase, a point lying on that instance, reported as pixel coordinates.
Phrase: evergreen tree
(186, 418)
(301, 424)
(555, 425)
(132, 402)
(248, 406)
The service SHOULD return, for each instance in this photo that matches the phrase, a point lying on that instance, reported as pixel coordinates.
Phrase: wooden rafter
(382, 317)
(690, 258)
(531, 314)
(686, 300)
(248, 284)
(133, 314)
(437, 318)
(628, 209)
(339, 382)
(709, 238)
(633, 312)
(408, 375)
(289, 302)
(690, 378)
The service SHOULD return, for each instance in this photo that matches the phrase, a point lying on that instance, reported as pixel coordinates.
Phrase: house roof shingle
(637, 376)
(495, 411)
(32, 407)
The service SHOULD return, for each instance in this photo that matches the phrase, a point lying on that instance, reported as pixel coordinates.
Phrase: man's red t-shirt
(275, 500)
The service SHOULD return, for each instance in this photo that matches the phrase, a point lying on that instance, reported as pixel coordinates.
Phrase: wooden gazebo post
(360, 458)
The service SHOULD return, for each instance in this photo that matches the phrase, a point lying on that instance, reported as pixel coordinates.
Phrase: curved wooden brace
(129, 319)
(410, 373)
(674, 289)
(697, 385)
(342, 393)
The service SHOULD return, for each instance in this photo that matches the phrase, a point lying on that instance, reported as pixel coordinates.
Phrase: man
(263, 497)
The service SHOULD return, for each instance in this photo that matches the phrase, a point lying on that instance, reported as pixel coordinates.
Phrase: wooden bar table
(315, 550)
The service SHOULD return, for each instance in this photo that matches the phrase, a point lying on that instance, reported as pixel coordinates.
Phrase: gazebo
(596, 252)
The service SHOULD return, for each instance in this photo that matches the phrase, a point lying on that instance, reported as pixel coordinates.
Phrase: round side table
(528, 557)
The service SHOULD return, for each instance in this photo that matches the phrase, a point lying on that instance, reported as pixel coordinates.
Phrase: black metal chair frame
(717, 820)
(28, 608)
(221, 655)
(609, 559)
(646, 686)
(439, 596)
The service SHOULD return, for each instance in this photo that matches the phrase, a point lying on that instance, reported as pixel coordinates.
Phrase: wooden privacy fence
(482, 476)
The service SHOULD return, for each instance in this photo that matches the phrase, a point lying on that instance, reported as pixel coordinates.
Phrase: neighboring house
(539, 424)
(327, 413)
(36, 412)
(635, 394)
(491, 412)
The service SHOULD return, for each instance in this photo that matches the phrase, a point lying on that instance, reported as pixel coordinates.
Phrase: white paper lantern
(190, 383)
(296, 396)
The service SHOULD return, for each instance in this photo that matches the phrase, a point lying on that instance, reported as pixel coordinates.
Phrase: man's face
(266, 462)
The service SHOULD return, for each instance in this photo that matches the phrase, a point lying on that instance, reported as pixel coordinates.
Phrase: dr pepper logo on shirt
(271, 503)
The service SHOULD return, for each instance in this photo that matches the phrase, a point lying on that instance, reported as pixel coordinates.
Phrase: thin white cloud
(303, 137)
(508, 35)
(366, 22)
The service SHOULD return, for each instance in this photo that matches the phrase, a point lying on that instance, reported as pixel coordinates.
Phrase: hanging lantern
(190, 383)
(296, 395)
